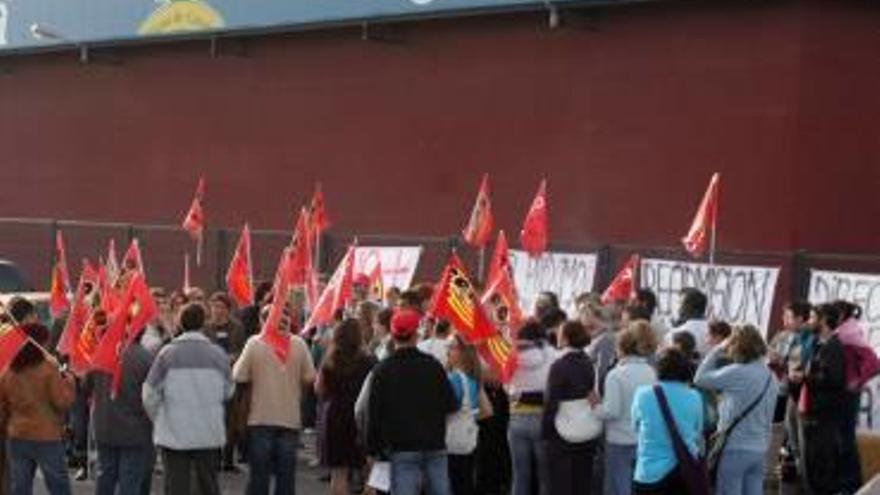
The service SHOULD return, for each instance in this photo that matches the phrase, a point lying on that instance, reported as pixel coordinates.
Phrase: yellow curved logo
(180, 16)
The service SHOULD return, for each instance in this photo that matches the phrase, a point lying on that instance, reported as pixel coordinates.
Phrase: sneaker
(82, 474)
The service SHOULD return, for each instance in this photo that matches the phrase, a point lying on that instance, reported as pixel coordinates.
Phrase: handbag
(718, 441)
(575, 421)
(461, 429)
(691, 469)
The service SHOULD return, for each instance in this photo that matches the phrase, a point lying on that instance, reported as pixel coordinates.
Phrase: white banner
(737, 294)
(566, 274)
(862, 289)
(399, 263)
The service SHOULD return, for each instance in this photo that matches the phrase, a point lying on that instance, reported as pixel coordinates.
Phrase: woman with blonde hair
(635, 344)
(745, 411)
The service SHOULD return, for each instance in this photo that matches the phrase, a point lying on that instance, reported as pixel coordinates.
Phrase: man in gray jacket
(123, 431)
(185, 394)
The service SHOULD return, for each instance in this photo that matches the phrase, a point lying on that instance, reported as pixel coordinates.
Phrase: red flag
(623, 287)
(501, 297)
(272, 332)
(132, 261)
(194, 222)
(137, 309)
(500, 258)
(239, 277)
(77, 319)
(336, 294)
(534, 232)
(318, 211)
(300, 253)
(112, 264)
(377, 287)
(12, 339)
(499, 353)
(60, 285)
(707, 214)
(455, 299)
(481, 222)
(84, 347)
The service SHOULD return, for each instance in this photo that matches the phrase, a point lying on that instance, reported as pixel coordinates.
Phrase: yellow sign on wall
(180, 16)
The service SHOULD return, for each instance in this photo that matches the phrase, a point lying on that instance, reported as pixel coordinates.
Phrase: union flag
(194, 222)
(77, 319)
(60, 285)
(704, 221)
(456, 300)
(623, 287)
(272, 333)
(534, 232)
(12, 339)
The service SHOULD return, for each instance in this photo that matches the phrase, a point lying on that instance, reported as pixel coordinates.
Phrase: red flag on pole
(194, 222)
(500, 258)
(534, 232)
(300, 253)
(132, 261)
(275, 331)
(12, 339)
(239, 277)
(60, 285)
(707, 214)
(481, 222)
(624, 285)
(318, 211)
(130, 317)
(79, 315)
(336, 294)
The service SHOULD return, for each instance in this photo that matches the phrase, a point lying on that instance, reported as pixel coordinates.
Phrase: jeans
(179, 468)
(526, 445)
(741, 472)
(24, 458)
(128, 468)
(409, 468)
(271, 453)
(620, 460)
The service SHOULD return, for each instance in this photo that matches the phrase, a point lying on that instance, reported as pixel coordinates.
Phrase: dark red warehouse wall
(627, 121)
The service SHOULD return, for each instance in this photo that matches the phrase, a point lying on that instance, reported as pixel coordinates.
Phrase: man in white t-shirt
(438, 344)
(692, 318)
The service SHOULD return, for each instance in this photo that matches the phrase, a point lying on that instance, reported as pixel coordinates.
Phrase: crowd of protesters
(608, 401)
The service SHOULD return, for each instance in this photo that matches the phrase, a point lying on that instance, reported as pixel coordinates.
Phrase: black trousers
(671, 484)
(569, 470)
(190, 472)
(461, 474)
(823, 455)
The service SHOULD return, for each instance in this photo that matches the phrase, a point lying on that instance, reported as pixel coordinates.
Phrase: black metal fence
(30, 244)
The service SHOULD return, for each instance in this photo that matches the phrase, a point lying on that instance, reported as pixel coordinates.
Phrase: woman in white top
(634, 346)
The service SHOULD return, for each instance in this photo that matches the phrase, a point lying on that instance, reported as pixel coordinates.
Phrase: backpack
(461, 428)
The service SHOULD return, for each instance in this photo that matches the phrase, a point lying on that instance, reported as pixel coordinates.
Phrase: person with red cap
(410, 401)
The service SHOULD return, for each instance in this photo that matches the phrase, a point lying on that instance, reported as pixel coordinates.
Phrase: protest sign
(737, 294)
(566, 274)
(399, 263)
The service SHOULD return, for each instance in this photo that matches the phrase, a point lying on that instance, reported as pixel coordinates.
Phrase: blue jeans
(526, 445)
(128, 468)
(24, 458)
(619, 463)
(409, 468)
(741, 472)
(271, 453)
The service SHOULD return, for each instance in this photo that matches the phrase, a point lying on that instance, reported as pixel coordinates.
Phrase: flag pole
(481, 265)
(712, 241)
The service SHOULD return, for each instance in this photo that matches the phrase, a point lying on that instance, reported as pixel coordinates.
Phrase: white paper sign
(399, 263)
(566, 274)
(380, 477)
(864, 290)
(737, 294)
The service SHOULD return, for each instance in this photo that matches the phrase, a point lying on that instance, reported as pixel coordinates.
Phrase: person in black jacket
(410, 399)
(572, 378)
(820, 405)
